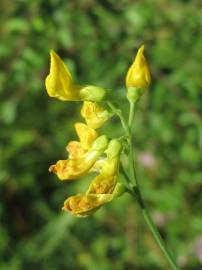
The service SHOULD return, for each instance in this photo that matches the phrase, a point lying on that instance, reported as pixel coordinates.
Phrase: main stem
(136, 193)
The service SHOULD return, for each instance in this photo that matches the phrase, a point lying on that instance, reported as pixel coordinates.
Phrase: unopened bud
(138, 77)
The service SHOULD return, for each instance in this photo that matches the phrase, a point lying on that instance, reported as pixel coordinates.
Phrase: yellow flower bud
(138, 77)
(94, 114)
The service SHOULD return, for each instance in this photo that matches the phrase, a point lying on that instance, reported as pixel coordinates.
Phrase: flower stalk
(135, 192)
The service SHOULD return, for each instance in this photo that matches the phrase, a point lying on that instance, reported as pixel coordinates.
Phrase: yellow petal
(106, 181)
(59, 83)
(75, 149)
(138, 75)
(94, 114)
(86, 134)
(74, 168)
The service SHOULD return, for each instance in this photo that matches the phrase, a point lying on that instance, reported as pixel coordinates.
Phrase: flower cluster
(92, 152)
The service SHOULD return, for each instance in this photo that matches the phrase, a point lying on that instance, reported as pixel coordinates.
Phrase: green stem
(131, 156)
(131, 163)
(120, 115)
(123, 172)
(136, 193)
(131, 113)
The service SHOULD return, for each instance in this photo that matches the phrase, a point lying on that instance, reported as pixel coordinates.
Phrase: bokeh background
(98, 40)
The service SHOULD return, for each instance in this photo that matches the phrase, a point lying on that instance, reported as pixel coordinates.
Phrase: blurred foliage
(98, 40)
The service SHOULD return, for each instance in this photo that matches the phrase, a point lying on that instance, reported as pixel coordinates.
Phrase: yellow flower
(83, 205)
(59, 84)
(138, 77)
(103, 188)
(76, 167)
(94, 114)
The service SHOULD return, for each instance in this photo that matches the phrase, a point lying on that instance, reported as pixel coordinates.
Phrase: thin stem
(131, 156)
(131, 163)
(131, 113)
(118, 112)
(136, 193)
(123, 172)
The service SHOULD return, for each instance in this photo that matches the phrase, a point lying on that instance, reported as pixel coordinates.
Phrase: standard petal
(86, 134)
(59, 83)
(75, 150)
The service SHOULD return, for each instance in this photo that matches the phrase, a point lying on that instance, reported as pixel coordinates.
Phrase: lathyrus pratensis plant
(95, 152)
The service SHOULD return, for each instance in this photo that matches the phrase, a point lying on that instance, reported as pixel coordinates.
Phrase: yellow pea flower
(74, 168)
(83, 205)
(138, 77)
(59, 84)
(103, 188)
(94, 114)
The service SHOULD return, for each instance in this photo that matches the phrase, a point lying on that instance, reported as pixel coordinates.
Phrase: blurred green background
(98, 40)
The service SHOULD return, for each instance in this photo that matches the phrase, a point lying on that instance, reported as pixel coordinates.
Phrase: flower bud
(138, 76)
